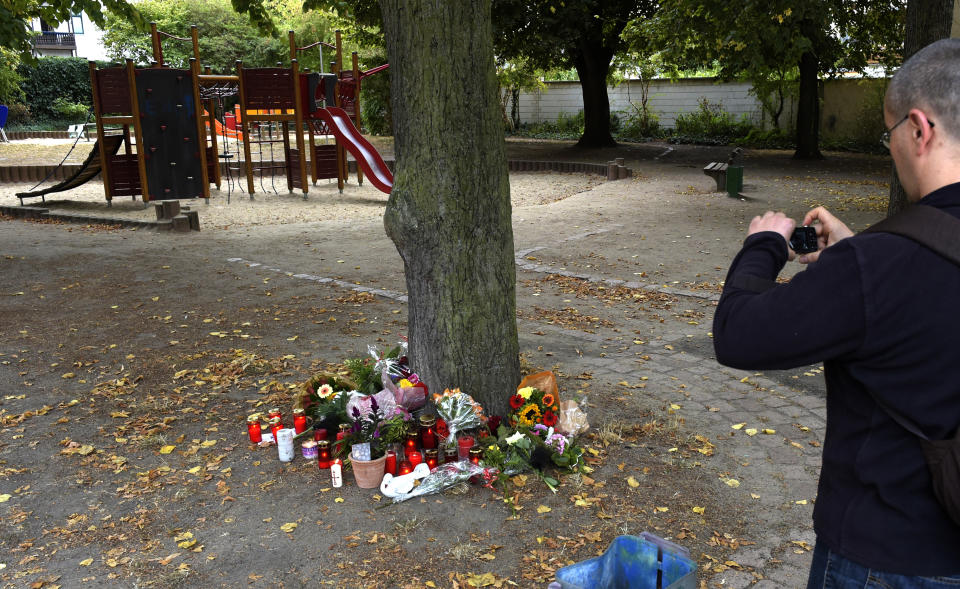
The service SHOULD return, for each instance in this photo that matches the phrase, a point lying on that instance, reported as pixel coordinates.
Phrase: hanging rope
(72, 147)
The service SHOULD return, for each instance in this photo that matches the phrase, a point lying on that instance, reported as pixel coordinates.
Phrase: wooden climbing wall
(170, 140)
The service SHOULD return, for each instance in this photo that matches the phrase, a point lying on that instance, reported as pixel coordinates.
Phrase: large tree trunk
(449, 212)
(593, 65)
(927, 21)
(808, 109)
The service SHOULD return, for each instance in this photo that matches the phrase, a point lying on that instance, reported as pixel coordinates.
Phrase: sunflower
(529, 415)
(516, 402)
(549, 419)
(547, 400)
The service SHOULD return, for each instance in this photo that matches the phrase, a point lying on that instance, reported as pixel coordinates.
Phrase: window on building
(77, 24)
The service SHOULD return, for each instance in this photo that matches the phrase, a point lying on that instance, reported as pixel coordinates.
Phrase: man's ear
(921, 130)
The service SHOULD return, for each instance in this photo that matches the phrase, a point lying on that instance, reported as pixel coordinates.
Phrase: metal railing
(56, 40)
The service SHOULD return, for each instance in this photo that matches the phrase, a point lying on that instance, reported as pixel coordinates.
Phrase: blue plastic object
(633, 562)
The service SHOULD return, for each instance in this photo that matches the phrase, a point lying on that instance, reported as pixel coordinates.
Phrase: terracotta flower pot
(368, 473)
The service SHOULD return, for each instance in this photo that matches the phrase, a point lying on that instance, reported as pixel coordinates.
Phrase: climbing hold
(153, 148)
(163, 127)
(173, 163)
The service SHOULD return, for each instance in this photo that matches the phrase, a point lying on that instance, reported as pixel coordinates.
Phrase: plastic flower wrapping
(459, 411)
(449, 474)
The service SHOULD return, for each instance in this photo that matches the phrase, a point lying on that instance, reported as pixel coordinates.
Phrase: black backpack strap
(936, 230)
(928, 226)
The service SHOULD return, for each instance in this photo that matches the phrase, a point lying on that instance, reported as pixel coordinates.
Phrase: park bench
(718, 171)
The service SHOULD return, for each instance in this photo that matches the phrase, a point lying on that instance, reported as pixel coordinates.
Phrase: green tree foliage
(51, 78)
(15, 17)
(583, 34)
(760, 41)
(9, 78)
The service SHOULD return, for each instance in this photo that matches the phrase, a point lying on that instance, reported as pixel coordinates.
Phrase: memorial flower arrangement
(514, 451)
(372, 429)
(326, 399)
(531, 406)
(458, 411)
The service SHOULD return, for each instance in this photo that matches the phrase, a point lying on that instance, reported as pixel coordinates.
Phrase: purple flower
(373, 405)
(356, 413)
(376, 433)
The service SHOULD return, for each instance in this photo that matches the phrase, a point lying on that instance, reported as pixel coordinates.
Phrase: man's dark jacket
(883, 314)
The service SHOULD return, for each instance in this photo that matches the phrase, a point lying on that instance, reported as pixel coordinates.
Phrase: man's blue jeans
(832, 571)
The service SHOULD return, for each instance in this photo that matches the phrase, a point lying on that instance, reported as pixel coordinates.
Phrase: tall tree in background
(449, 212)
(583, 34)
(927, 21)
(757, 39)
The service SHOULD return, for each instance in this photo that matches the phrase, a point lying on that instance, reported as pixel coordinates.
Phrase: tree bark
(808, 109)
(449, 211)
(927, 21)
(593, 65)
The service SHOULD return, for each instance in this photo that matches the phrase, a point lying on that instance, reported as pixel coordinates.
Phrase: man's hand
(776, 222)
(830, 230)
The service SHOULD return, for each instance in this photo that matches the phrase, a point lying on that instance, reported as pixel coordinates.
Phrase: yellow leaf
(621, 466)
(430, 584)
(167, 449)
(194, 470)
(338, 500)
(593, 451)
(751, 431)
(801, 502)
(769, 432)
(292, 339)
(183, 536)
(69, 375)
(119, 414)
(754, 495)
(745, 379)
(186, 543)
(699, 510)
(5, 497)
(484, 580)
(738, 425)
(208, 443)
(86, 562)
(289, 527)
(675, 406)
(732, 483)
(487, 556)
(632, 482)
(85, 450)
(543, 509)
(663, 509)
(582, 503)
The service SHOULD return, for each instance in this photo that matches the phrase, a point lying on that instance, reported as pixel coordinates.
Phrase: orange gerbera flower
(547, 400)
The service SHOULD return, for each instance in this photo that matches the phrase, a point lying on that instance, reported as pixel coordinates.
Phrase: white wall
(86, 34)
(667, 99)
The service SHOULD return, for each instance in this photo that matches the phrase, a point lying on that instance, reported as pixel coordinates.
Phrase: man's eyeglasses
(885, 138)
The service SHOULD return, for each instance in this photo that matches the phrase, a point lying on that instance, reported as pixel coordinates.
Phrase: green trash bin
(633, 562)
(734, 180)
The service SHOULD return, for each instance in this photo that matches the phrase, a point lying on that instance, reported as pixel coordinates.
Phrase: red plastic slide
(367, 156)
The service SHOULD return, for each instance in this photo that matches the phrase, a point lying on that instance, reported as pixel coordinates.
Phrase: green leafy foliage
(16, 14)
(50, 79)
(710, 120)
(375, 98)
(9, 78)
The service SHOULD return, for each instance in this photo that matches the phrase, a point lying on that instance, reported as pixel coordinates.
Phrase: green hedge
(52, 78)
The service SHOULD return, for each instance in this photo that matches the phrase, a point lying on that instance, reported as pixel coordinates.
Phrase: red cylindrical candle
(319, 434)
(299, 421)
(463, 445)
(275, 426)
(428, 434)
(405, 468)
(475, 455)
(323, 454)
(415, 458)
(431, 456)
(410, 444)
(253, 429)
(274, 412)
(450, 455)
(391, 464)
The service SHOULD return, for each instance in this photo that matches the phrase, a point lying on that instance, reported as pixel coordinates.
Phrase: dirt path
(119, 343)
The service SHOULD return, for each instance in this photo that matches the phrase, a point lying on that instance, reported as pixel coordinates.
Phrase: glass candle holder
(431, 458)
(414, 458)
(463, 447)
(344, 430)
(274, 412)
(323, 454)
(428, 431)
(299, 421)
(475, 454)
(450, 454)
(390, 465)
(253, 429)
(405, 468)
(319, 434)
(275, 426)
(410, 443)
(309, 450)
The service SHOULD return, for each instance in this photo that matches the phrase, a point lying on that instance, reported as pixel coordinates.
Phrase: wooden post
(138, 131)
(293, 45)
(339, 63)
(212, 121)
(157, 49)
(97, 113)
(243, 129)
(201, 127)
(356, 107)
(298, 121)
(195, 38)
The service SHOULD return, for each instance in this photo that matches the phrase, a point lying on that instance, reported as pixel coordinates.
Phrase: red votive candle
(415, 458)
(431, 456)
(391, 464)
(253, 429)
(463, 445)
(475, 455)
(410, 444)
(323, 454)
(299, 421)
(274, 412)
(450, 455)
(405, 468)
(428, 434)
(275, 426)
(319, 434)
(344, 430)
